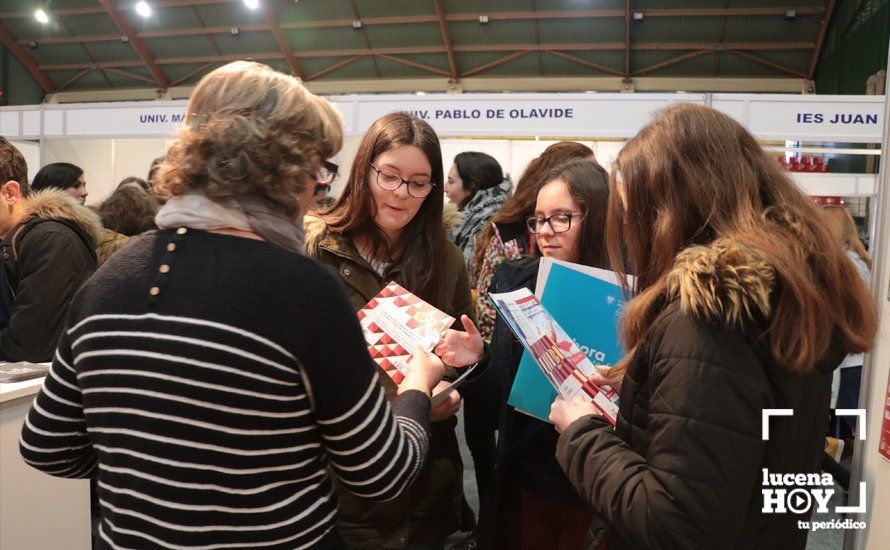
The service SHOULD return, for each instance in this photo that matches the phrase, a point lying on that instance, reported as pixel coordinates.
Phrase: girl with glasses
(387, 225)
(533, 505)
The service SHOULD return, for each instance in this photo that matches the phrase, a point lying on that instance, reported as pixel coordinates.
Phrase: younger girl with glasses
(535, 506)
(387, 225)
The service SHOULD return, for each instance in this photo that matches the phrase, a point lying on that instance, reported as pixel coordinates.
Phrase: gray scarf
(246, 214)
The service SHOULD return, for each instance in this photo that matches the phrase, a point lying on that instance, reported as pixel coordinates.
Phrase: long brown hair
(423, 242)
(521, 204)
(842, 226)
(695, 175)
(588, 185)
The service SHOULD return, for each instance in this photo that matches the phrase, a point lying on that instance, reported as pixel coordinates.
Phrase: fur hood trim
(451, 217)
(54, 203)
(725, 281)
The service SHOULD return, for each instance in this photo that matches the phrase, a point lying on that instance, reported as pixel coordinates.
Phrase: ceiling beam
(128, 74)
(396, 20)
(495, 63)
(72, 80)
(414, 64)
(823, 30)
(334, 67)
(288, 52)
(192, 73)
(494, 16)
(439, 49)
(627, 38)
(586, 63)
(767, 63)
(141, 49)
(688, 84)
(26, 60)
(670, 62)
(446, 38)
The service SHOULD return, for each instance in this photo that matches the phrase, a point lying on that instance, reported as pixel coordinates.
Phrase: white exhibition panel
(583, 115)
(769, 116)
(844, 118)
(31, 151)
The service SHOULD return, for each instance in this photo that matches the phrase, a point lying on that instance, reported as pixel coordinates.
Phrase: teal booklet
(587, 303)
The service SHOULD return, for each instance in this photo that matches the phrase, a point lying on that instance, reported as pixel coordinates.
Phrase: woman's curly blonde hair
(250, 131)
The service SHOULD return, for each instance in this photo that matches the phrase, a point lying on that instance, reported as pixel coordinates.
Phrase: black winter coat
(683, 468)
(47, 258)
(526, 446)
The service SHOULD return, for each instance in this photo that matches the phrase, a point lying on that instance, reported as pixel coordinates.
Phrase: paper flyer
(395, 322)
(559, 358)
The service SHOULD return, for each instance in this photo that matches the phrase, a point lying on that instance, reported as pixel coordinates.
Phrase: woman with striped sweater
(203, 387)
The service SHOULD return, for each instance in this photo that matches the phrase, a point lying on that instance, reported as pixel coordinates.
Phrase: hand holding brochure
(566, 367)
(21, 371)
(395, 322)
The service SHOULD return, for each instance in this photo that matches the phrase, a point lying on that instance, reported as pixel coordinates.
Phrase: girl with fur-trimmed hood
(743, 302)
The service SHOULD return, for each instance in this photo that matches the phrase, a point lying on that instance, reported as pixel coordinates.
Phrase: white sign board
(522, 115)
(114, 120)
(855, 119)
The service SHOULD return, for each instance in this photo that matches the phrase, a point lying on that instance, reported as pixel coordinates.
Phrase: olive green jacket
(433, 507)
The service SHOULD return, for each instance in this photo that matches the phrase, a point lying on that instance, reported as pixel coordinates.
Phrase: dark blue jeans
(848, 398)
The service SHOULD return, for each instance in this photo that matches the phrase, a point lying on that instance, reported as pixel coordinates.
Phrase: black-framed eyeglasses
(390, 182)
(559, 223)
(327, 173)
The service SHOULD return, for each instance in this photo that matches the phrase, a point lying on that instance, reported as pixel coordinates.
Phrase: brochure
(395, 322)
(21, 371)
(587, 302)
(555, 353)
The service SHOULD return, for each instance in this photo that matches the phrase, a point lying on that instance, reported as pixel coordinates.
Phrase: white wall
(31, 151)
(94, 156)
(105, 161)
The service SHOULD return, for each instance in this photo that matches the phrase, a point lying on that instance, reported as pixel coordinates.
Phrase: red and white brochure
(395, 322)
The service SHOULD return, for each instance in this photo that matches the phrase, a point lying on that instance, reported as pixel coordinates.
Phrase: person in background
(476, 184)
(506, 237)
(387, 226)
(742, 302)
(129, 211)
(64, 176)
(136, 183)
(321, 201)
(532, 505)
(48, 252)
(845, 387)
(153, 170)
(205, 389)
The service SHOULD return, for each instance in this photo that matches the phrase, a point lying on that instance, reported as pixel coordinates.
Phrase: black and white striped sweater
(213, 384)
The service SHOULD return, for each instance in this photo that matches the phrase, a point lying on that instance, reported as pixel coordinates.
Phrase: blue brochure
(587, 305)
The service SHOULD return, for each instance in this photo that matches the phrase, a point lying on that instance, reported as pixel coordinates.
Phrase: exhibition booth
(834, 142)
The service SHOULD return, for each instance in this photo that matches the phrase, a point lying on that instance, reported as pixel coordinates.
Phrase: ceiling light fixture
(790, 15)
(252, 4)
(143, 9)
(33, 44)
(234, 31)
(638, 16)
(483, 19)
(41, 16)
(356, 24)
